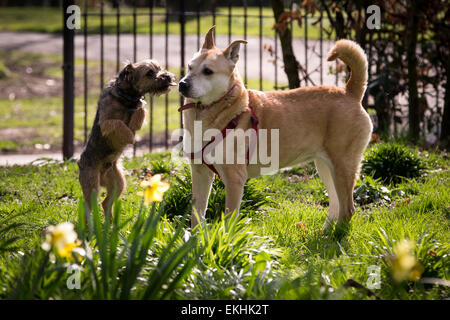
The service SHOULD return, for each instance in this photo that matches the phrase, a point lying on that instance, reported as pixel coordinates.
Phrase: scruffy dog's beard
(163, 85)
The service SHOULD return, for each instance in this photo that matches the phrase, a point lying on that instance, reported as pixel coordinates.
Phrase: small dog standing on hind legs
(324, 124)
(119, 115)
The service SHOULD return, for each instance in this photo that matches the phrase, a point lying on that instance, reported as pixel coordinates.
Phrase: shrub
(392, 162)
(370, 191)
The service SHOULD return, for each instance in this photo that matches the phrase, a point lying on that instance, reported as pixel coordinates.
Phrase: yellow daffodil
(69, 248)
(64, 239)
(154, 189)
(404, 264)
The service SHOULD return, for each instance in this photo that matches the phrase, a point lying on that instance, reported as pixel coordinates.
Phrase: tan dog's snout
(183, 86)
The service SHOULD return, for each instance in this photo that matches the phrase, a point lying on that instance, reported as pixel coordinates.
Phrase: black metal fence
(260, 62)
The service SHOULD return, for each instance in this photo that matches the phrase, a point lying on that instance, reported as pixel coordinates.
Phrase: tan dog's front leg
(118, 132)
(202, 179)
(137, 119)
(234, 180)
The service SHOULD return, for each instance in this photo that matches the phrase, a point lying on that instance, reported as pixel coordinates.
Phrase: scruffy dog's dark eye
(207, 71)
(151, 73)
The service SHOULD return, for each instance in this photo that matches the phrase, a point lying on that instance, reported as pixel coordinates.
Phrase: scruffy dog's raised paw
(119, 115)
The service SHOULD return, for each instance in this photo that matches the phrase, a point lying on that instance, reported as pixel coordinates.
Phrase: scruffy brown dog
(119, 115)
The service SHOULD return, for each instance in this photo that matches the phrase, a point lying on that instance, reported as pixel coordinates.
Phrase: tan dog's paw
(137, 119)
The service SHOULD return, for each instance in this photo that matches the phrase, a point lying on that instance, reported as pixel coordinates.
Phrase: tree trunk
(289, 60)
(445, 126)
(413, 94)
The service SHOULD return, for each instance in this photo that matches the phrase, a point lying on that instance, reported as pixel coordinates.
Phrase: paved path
(52, 43)
(24, 159)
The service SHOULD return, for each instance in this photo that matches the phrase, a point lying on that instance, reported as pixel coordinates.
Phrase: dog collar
(201, 106)
(129, 101)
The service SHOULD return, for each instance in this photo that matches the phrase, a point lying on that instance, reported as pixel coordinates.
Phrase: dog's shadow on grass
(329, 242)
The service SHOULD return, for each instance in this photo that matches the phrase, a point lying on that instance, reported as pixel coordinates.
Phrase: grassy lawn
(278, 250)
(30, 19)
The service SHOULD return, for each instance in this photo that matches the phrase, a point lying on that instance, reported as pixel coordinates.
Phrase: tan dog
(327, 125)
(119, 115)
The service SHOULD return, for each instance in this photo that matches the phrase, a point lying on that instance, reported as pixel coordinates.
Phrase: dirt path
(51, 43)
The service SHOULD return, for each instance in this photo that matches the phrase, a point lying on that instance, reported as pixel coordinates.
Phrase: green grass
(30, 19)
(272, 257)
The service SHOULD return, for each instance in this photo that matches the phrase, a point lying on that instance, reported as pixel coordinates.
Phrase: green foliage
(236, 263)
(392, 162)
(178, 199)
(8, 227)
(370, 191)
(116, 265)
(434, 256)
(161, 166)
(277, 251)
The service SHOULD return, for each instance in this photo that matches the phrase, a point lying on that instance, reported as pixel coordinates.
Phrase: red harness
(230, 126)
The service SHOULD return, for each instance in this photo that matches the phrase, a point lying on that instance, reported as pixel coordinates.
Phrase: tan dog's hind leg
(90, 182)
(327, 176)
(115, 182)
(137, 120)
(345, 179)
(202, 179)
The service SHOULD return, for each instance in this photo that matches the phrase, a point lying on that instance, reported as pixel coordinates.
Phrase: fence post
(182, 44)
(68, 95)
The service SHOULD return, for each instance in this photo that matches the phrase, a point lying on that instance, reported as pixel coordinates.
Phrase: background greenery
(30, 19)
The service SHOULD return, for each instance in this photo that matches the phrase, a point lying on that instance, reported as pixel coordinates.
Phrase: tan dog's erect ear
(209, 39)
(232, 52)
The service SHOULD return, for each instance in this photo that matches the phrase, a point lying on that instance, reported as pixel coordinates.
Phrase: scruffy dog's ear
(127, 73)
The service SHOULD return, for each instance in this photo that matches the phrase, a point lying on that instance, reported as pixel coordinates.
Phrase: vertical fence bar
(438, 111)
(150, 146)
(275, 62)
(260, 45)
(118, 36)
(134, 54)
(306, 48)
(198, 23)
(245, 38)
(85, 71)
(166, 54)
(101, 46)
(321, 48)
(68, 96)
(134, 32)
(182, 44)
(229, 21)
(214, 15)
(336, 64)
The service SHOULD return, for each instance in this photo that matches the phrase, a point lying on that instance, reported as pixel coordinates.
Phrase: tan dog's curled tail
(353, 56)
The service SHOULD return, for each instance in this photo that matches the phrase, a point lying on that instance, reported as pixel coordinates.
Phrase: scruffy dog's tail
(353, 56)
